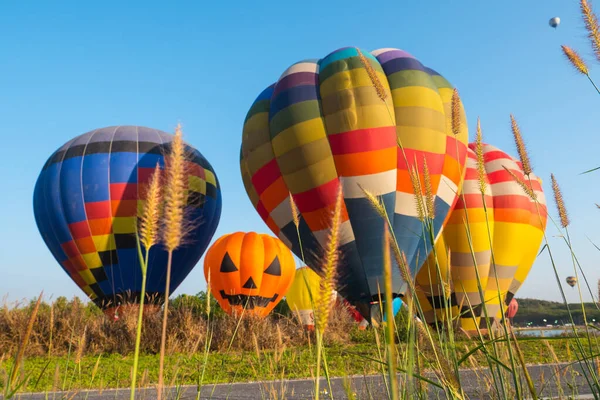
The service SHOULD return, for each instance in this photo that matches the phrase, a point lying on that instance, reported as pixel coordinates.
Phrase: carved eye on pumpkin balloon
(241, 275)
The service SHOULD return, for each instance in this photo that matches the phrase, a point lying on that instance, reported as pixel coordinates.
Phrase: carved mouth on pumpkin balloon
(249, 302)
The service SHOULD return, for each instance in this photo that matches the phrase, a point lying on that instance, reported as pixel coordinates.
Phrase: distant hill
(535, 311)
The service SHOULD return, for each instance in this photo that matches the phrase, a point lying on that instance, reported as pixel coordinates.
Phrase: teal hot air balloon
(86, 202)
(337, 121)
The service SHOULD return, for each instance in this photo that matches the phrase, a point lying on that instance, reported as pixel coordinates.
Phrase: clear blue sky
(70, 67)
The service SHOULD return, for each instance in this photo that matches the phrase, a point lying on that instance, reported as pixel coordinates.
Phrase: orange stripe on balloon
(512, 215)
(367, 163)
(321, 219)
(274, 194)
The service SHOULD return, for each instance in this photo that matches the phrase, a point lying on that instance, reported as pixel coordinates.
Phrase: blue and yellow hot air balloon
(86, 202)
(339, 121)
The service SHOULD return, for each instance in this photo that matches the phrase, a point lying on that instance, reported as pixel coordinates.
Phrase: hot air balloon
(86, 202)
(571, 281)
(554, 22)
(248, 272)
(338, 121)
(303, 296)
(515, 223)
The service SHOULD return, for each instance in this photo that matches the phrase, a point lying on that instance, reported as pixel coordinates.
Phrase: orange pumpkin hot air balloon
(513, 221)
(250, 271)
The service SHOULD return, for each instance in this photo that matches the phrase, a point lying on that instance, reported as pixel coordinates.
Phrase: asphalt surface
(570, 381)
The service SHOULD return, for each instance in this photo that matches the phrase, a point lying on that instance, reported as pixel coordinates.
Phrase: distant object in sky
(554, 22)
(571, 280)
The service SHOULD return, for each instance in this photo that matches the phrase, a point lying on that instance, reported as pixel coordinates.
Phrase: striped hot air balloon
(88, 197)
(338, 121)
(515, 223)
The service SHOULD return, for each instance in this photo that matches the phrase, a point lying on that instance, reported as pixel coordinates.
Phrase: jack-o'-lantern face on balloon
(248, 272)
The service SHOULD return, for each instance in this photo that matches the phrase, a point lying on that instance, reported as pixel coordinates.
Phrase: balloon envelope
(323, 124)
(303, 295)
(86, 202)
(515, 223)
(554, 22)
(248, 272)
(571, 281)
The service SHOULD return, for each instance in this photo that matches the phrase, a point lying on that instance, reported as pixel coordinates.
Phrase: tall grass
(173, 229)
(147, 237)
(428, 357)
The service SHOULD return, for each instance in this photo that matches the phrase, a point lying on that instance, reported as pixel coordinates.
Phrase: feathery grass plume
(524, 185)
(415, 180)
(575, 60)
(147, 235)
(455, 109)
(295, 212)
(375, 202)
(560, 203)
(521, 149)
(296, 219)
(480, 160)
(379, 88)
(173, 229)
(152, 210)
(429, 198)
(175, 191)
(327, 285)
(591, 25)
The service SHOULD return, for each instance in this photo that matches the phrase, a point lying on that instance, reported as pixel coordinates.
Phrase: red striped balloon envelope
(338, 121)
(492, 241)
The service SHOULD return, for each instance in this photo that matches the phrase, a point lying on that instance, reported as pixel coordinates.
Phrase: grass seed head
(175, 193)
(415, 180)
(455, 110)
(591, 26)
(429, 198)
(327, 285)
(379, 88)
(575, 60)
(148, 224)
(560, 203)
(521, 149)
(480, 160)
(524, 185)
(376, 203)
(295, 212)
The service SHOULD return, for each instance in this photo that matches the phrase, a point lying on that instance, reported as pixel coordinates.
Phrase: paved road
(365, 387)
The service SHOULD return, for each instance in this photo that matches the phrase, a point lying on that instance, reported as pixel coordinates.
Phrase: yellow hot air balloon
(511, 219)
(303, 296)
(571, 281)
